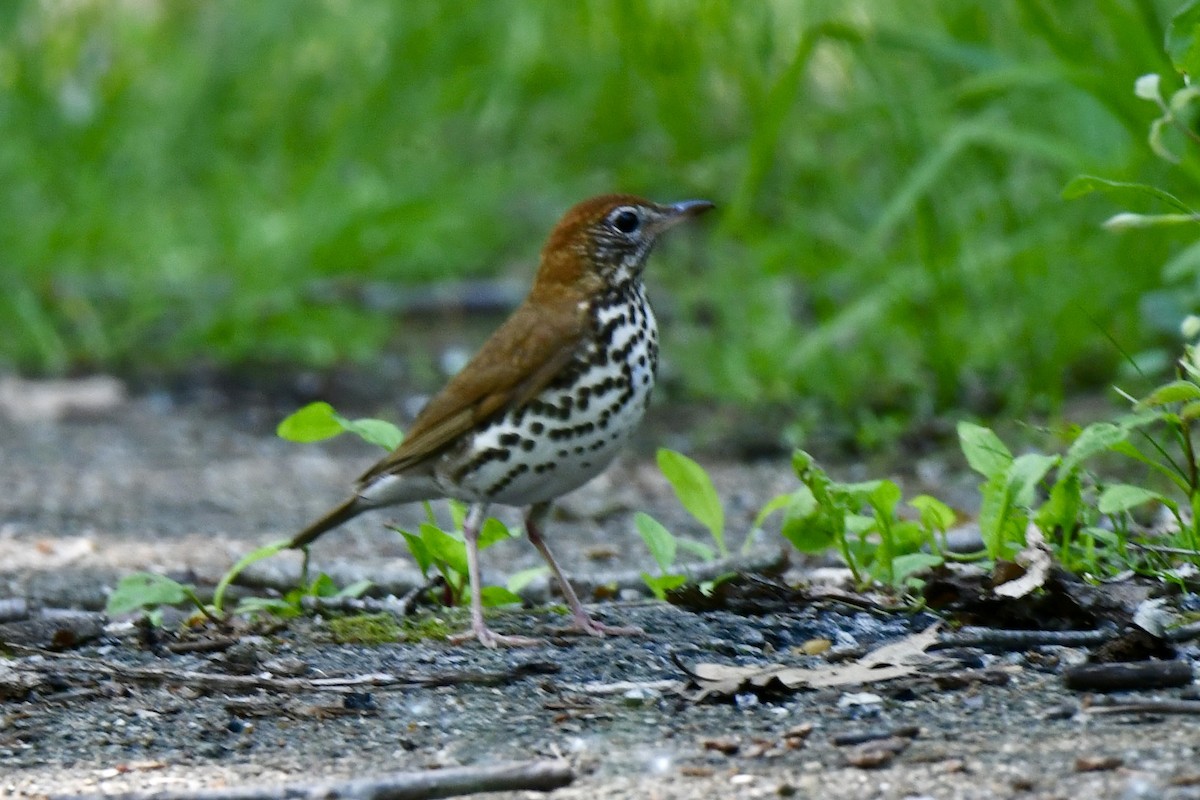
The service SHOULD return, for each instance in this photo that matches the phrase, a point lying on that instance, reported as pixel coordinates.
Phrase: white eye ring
(625, 220)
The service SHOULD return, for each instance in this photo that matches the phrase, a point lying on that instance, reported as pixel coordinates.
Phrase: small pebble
(726, 745)
(1097, 763)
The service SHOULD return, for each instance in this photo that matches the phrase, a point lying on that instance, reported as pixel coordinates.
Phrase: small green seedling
(696, 493)
(861, 522)
(316, 422)
(149, 592)
(434, 548)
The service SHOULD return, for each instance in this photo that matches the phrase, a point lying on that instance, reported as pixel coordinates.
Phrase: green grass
(187, 182)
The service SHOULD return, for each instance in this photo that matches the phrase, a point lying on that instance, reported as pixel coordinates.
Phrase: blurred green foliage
(185, 181)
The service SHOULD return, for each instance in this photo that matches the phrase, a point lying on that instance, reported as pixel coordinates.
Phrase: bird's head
(604, 242)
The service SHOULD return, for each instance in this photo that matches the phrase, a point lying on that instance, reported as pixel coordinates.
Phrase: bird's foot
(490, 639)
(593, 627)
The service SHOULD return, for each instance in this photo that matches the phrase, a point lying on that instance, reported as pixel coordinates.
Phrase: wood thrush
(549, 399)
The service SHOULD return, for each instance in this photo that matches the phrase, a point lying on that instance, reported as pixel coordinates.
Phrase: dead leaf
(1035, 559)
(895, 660)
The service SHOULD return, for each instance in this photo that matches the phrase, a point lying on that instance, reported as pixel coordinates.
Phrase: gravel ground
(144, 484)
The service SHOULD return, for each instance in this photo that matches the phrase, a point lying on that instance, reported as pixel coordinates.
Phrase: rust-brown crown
(605, 241)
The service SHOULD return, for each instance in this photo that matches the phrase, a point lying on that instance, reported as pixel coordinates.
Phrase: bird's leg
(479, 629)
(534, 520)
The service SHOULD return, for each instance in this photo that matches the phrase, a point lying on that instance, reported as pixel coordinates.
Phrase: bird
(546, 402)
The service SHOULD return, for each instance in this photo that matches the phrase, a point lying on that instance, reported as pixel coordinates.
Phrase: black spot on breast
(509, 477)
(491, 454)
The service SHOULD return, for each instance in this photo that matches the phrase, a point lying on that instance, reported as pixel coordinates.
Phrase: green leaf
(659, 541)
(801, 502)
(1119, 497)
(909, 564)
(355, 589)
(700, 549)
(695, 491)
(522, 578)
(419, 551)
(493, 596)
(993, 514)
(1086, 184)
(444, 549)
(142, 590)
(1173, 392)
(318, 421)
(1096, 438)
(884, 497)
(776, 503)
(802, 462)
(662, 584)
(858, 493)
(374, 431)
(322, 586)
(908, 537)
(1062, 509)
(1025, 473)
(493, 531)
(458, 513)
(1182, 39)
(313, 423)
(935, 515)
(254, 556)
(986, 454)
(809, 533)
(276, 606)
(861, 524)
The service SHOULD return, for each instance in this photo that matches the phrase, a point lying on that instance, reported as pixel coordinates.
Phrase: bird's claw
(593, 627)
(491, 640)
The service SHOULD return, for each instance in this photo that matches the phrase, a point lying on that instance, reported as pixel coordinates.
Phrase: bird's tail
(343, 513)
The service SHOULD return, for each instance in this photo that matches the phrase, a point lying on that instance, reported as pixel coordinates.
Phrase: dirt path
(147, 485)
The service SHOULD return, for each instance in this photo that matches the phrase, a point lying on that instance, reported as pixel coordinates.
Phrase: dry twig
(1018, 640)
(80, 668)
(540, 776)
(1103, 705)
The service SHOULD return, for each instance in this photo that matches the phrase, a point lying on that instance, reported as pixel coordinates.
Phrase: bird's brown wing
(511, 368)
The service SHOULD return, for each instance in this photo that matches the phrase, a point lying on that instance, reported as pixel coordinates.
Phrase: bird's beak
(678, 212)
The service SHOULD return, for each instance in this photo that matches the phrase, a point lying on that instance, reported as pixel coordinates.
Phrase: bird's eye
(626, 220)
